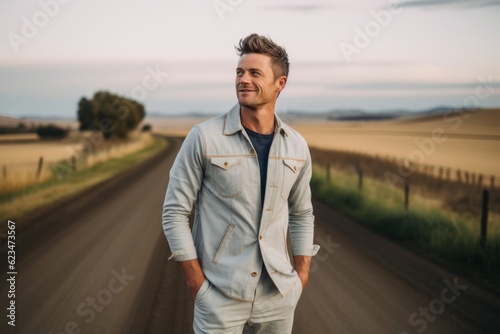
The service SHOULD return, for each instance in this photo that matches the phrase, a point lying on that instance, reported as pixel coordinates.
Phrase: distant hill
(363, 115)
(333, 115)
(34, 121)
(337, 115)
(9, 121)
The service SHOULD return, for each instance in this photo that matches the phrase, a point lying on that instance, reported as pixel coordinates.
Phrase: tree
(51, 131)
(146, 128)
(113, 115)
(85, 114)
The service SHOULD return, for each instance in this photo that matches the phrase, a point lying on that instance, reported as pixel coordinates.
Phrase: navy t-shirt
(262, 145)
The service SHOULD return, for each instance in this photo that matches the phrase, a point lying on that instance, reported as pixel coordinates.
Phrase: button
(254, 274)
(225, 163)
(252, 151)
(295, 168)
(261, 237)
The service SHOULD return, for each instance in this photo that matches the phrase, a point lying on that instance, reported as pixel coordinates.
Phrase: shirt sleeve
(186, 177)
(301, 218)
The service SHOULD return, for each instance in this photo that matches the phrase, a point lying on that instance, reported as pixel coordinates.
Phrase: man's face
(255, 83)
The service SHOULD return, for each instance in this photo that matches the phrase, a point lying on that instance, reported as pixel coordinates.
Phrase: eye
(255, 73)
(239, 73)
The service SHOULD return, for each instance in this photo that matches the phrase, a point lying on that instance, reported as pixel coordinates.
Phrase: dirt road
(99, 265)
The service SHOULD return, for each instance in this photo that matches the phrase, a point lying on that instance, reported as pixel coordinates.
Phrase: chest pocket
(291, 169)
(227, 176)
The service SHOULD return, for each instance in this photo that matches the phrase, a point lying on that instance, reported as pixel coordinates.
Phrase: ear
(281, 83)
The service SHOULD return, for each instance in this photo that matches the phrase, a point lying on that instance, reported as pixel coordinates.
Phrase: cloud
(448, 3)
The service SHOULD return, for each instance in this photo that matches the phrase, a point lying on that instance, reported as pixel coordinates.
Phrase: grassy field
(443, 220)
(425, 226)
(18, 202)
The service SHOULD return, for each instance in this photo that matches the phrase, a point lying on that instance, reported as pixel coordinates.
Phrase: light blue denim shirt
(233, 236)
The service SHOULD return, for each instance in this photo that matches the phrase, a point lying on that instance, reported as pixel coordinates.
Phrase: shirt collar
(233, 122)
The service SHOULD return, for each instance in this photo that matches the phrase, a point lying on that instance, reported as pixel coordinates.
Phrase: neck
(258, 120)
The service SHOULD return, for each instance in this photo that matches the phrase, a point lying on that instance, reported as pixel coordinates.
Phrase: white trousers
(270, 312)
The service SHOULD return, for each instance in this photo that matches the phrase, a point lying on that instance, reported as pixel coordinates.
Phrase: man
(248, 174)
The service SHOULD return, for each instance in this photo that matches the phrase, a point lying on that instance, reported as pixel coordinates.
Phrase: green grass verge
(20, 202)
(424, 227)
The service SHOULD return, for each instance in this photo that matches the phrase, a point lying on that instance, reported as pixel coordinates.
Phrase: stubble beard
(249, 106)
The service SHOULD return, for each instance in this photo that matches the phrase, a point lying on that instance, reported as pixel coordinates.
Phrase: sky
(178, 56)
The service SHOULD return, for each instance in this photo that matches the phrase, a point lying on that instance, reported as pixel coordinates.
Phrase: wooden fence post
(407, 195)
(73, 163)
(39, 170)
(484, 218)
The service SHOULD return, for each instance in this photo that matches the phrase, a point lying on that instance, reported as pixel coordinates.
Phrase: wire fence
(467, 192)
(459, 190)
(18, 176)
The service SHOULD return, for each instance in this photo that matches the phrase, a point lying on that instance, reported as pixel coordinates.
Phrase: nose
(244, 78)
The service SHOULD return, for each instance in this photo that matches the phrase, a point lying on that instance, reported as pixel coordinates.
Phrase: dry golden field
(178, 126)
(27, 153)
(469, 141)
(19, 159)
